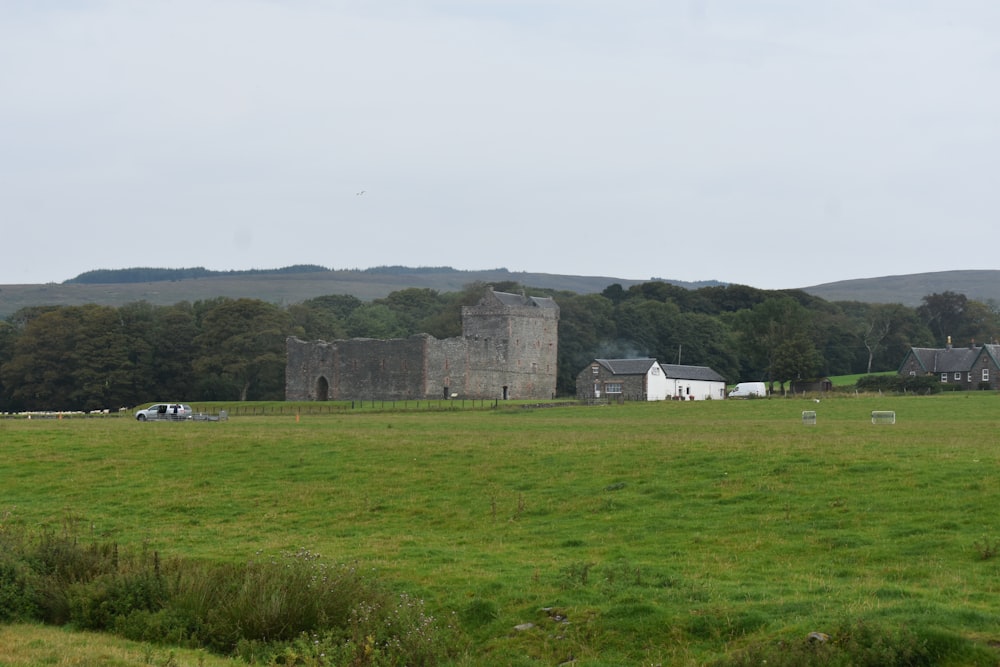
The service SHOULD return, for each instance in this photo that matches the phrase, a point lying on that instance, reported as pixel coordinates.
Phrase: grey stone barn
(507, 351)
(971, 367)
(645, 379)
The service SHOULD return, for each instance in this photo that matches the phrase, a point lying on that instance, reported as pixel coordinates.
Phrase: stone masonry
(507, 351)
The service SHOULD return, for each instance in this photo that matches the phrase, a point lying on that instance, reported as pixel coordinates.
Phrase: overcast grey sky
(775, 143)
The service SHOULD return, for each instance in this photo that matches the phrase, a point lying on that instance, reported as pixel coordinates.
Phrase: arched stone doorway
(322, 389)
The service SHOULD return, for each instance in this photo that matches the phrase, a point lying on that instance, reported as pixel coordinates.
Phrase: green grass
(664, 533)
(32, 646)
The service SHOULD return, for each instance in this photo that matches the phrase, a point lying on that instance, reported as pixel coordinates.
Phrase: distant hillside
(152, 275)
(294, 284)
(283, 286)
(910, 289)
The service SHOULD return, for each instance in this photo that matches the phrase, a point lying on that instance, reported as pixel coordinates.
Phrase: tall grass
(667, 533)
(256, 610)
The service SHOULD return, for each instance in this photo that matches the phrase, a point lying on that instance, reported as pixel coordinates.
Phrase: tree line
(103, 357)
(152, 274)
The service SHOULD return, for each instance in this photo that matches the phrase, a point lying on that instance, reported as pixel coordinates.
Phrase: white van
(748, 389)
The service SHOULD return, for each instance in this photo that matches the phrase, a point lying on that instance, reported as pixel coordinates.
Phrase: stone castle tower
(507, 350)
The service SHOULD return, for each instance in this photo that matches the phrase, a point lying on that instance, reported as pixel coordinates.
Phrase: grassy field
(640, 534)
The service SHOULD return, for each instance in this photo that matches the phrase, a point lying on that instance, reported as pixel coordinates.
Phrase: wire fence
(221, 411)
(335, 407)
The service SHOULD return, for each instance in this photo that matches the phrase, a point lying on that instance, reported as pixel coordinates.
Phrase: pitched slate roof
(681, 372)
(675, 371)
(951, 359)
(627, 366)
(993, 351)
(508, 299)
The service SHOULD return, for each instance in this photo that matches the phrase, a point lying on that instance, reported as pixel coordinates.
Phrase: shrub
(912, 384)
(274, 600)
(264, 607)
(18, 598)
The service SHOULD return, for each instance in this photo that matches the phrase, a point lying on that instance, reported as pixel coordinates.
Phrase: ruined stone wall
(356, 368)
(309, 365)
(369, 368)
(507, 350)
(447, 367)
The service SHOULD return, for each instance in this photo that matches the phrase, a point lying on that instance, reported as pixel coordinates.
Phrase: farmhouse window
(944, 377)
(986, 375)
(613, 387)
(594, 369)
(913, 374)
(958, 375)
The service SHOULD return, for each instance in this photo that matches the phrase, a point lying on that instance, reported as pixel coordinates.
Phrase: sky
(772, 143)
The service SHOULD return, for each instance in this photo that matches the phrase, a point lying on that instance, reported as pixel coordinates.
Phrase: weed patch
(864, 644)
(256, 610)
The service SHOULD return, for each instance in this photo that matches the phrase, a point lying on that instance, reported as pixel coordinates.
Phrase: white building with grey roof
(646, 379)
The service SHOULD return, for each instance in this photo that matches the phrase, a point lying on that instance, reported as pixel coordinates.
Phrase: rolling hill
(909, 290)
(287, 288)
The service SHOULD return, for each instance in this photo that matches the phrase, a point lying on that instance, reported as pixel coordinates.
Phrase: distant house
(972, 367)
(646, 379)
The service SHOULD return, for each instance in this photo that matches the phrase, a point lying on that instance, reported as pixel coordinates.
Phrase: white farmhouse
(646, 379)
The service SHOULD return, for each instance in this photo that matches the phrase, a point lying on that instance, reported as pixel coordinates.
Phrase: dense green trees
(954, 316)
(94, 357)
(241, 350)
(586, 327)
